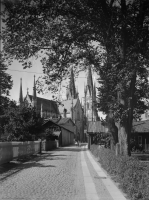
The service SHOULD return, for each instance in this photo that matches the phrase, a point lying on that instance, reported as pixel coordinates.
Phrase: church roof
(47, 105)
(67, 104)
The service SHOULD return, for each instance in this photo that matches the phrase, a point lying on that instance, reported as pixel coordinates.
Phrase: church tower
(34, 98)
(71, 92)
(90, 105)
(21, 93)
(89, 96)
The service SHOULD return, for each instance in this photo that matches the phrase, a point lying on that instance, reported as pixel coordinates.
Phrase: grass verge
(132, 175)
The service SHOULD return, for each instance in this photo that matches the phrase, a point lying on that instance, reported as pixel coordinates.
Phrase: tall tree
(73, 32)
(5, 86)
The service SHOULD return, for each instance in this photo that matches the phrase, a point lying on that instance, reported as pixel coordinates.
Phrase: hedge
(132, 174)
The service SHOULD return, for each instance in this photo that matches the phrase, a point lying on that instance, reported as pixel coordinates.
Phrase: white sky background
(16, 71)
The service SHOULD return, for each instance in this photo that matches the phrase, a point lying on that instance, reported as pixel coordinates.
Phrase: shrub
(132, 174)
(23, 123)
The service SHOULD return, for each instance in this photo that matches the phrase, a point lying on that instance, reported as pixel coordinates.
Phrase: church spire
(21, 93)
(34, 89)
(34, 100)
(90, 80)
(72, 85)
(71, 91)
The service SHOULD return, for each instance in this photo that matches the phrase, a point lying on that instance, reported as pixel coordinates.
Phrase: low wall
(11, 150)
(49, 145)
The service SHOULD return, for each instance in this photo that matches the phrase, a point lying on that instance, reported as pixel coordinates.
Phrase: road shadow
(15, 166)
(9, 169)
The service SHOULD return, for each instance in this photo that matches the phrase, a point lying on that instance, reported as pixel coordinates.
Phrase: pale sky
(16, 71)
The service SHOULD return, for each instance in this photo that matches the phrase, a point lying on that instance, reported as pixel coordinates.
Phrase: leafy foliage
(22, 123)
(5, 84)
(132, 174)
(110, 35)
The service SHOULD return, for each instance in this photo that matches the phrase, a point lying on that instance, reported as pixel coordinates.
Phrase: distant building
(47, 108)
(90, 103)
(72, 108)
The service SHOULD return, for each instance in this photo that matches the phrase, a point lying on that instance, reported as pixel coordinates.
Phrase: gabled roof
(141, 126)
(63, 125)
(67, 104)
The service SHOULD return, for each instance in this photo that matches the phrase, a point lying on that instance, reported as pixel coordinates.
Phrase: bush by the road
(132, 174)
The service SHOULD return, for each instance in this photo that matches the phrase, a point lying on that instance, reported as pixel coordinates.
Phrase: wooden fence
(13, 150)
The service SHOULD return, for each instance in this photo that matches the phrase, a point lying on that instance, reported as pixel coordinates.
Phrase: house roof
(96, 127)
(141, 126)
(67, 104)
(63, 124)
(46, 121)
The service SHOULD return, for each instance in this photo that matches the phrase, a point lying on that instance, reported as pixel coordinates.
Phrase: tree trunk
(112, 129)
(123, 139)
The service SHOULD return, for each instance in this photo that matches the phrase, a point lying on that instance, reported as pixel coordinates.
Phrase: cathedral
(46, 108)
(71, 108)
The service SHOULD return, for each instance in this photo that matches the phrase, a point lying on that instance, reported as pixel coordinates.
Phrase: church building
(72, 108)
(47, 108)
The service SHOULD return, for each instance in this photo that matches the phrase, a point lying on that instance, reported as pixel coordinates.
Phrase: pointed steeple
(21, 93)
(34, 89)
(71, 91)
(90, 80)
(72, 85)
(34, 100)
